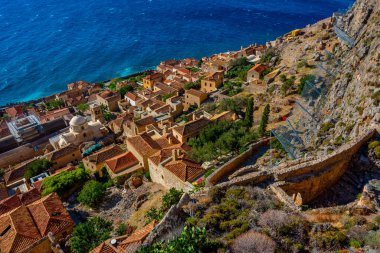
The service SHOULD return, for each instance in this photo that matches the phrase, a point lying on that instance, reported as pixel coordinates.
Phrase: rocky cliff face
(353, 98)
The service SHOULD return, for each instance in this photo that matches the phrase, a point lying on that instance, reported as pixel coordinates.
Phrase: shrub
(92, 192)
(191, 240)
(354, 243)
(37, 167)
(329, 241)
(325, 127)
(64, 181)
(303, 81)
(253, 242)
(373, 239)
(377, 219)
(192, 85)
(171, 198)
(153, 214)
(373, 144)
(86, 236)
(121, 229)
(377, 151)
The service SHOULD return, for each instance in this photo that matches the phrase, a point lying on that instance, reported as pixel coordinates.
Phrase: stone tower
(96, 113)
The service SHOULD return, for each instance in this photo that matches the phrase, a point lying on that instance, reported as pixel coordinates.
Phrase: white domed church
(80, 131)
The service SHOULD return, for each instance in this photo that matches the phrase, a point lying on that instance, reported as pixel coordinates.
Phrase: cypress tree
(264, 120)
(249, 113)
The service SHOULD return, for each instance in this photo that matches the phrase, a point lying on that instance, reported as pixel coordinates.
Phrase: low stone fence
(228, 167)
(169, 222)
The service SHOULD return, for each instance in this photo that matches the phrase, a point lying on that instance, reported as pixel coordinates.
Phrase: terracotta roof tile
(145, 121)
(192, 127)
(185, 169)
(144, 144)
(195, 92)
(105, 154)
(258, 68)
(52, 156)
(50, 215)
(104, 248)
(18, 229)
(138, 236)
(122, 162)
(9, 204)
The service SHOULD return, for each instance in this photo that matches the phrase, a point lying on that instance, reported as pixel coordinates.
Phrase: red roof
(122, 162)
(259, 68)
(131, 96)
(185, 169)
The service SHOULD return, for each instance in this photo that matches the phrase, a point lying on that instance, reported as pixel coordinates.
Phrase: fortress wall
(231, 165)
(343, 153)
(311, 186)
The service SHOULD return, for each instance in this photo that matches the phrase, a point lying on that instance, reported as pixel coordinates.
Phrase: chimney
(170, 139)
(194, 117)
(174, 155)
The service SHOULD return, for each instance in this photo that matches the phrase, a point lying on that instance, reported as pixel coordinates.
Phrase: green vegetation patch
(219, 139)
(64, 182)
(88, 235)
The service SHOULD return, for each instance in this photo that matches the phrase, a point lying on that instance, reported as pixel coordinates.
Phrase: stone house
(193, 98)
(63, 156)
(142, 147)
(138, 126)
(131, 98)
(170, 168)
(96, 161)
(109, 99)
(150, 80)
(212, 82)
(27, 228)
(256, 72)
(122, 165)
(184, 132)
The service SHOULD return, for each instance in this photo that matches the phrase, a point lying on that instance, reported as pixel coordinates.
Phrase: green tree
(83, 107)
(264, 120)
(171, 198)
(192, 85)
(124, 90)
(248, 120)
(121, 229)
(92, 192)
(37, 167)
(64, 182)
(88, 235)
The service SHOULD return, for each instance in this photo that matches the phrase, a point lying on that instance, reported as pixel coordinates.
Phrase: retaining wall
(231, 165)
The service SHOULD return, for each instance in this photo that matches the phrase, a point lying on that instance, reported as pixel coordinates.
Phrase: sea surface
(45, 44)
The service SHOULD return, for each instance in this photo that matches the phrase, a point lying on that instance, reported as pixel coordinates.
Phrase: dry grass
(156, 192)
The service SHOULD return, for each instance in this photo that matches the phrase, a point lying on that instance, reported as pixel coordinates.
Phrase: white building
(80, 131)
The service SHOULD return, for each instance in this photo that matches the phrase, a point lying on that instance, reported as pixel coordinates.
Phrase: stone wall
(305, 179)
(169, 223)
(230, 166)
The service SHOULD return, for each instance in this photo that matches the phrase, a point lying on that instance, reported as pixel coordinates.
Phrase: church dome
(78, 121)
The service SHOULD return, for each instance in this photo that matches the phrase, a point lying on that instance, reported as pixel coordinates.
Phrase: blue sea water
(45, 44)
